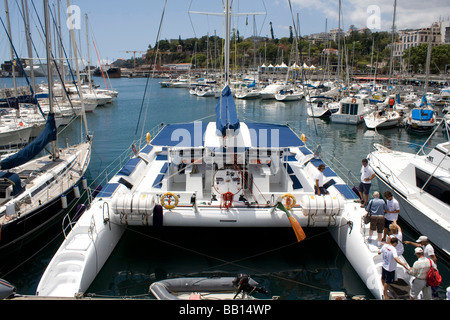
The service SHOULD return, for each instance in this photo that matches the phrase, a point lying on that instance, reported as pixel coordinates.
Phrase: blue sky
(118, 26)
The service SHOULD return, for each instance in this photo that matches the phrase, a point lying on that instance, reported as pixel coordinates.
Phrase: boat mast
(88, 55)
(26, 21)
(227, 42)
(78, 84)
(10, 48)
(48, 50)
(392, 48)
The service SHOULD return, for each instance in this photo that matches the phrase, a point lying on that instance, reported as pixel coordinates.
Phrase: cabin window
(350, 108)
(437, 188)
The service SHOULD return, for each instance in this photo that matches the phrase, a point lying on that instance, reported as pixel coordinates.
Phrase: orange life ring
(227, 200)
(290, 201)
(353, 100)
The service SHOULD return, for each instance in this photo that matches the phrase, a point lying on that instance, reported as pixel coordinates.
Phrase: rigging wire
(148, 76)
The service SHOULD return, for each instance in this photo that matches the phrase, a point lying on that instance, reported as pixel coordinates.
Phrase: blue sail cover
(33, 148)
(226, 114)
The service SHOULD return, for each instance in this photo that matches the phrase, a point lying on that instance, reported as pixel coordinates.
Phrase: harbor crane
(134, 56)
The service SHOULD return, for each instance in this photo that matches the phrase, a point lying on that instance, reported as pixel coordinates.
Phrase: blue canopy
(422, 114)
(181, 135)
(273, 136)
(226, 114)
(32, 149)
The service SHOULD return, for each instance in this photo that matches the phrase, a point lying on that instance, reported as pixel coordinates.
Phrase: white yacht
(270, 90)
(351, 111)
(421, 183)
(289, 94)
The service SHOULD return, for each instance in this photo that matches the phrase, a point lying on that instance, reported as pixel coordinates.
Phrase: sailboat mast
(430, 36)
(48, 50)
(227, 42)
(88, 55)
(26, 21)
(78, 84)
(392, 47)
(10, 48)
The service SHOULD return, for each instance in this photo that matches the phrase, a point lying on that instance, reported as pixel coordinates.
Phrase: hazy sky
(118, 26)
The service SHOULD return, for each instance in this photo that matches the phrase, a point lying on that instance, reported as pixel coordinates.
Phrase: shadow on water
(291, 270)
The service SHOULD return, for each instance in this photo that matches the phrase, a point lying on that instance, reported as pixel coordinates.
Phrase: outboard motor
(244, 283)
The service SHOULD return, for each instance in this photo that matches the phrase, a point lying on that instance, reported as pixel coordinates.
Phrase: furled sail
(226, 113)
(32, 149)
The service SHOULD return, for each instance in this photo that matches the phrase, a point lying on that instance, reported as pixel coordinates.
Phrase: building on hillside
(415, 37)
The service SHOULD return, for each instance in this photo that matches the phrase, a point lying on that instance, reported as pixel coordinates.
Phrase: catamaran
(223, 174)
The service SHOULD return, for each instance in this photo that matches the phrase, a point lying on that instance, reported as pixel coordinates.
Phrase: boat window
(435, 187)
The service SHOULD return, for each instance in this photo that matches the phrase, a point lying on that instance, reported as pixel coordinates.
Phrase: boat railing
(387, 172)
(67, 225)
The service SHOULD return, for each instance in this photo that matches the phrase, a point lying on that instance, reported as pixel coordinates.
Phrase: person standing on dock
(419, 270)
(390, 260)
(392, 211)
(367, 174)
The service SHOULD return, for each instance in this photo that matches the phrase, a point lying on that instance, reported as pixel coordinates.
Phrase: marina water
(306, 270)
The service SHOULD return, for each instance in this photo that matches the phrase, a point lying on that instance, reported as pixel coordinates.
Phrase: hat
(422, 238)
(418, 250)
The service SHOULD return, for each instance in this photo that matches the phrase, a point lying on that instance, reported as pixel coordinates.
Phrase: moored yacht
(421, 183)
(223, 174)
(351, 111)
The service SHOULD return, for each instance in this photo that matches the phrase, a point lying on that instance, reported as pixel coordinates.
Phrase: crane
(134, 55)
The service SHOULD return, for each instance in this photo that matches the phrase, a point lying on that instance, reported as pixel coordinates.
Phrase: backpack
(433, 277)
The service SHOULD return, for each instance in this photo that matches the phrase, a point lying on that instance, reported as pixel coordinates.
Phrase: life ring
(227, 200)
(169, 204)
(353, 100)
(290, 201)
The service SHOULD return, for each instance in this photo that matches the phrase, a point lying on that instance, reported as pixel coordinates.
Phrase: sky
(118, 26)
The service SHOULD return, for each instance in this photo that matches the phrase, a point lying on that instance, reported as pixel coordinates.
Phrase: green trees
(417, 57)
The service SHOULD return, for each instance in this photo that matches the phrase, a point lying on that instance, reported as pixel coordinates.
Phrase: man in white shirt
(390, 260)
(318, 181)
(392, 211)
(367, 175)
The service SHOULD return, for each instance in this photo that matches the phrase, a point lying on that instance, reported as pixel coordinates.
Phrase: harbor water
(308, 270)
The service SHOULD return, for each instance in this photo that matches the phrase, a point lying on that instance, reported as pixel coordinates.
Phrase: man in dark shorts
(390, 260)
(367, 174)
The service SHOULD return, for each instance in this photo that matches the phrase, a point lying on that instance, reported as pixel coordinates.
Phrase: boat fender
(158, 216)
(76, 191)
(84, 183)
(64, 201)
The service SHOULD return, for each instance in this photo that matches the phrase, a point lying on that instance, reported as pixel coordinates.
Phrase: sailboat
(422, 119)
(224, 174)
(35, 191)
